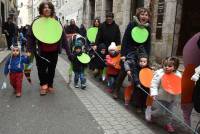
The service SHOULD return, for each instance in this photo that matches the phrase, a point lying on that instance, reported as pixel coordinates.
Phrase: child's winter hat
(112, 47)
(15, 46)
(101, 46)
(78, 44)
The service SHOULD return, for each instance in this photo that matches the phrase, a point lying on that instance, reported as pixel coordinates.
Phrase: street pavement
(59, 113)
(112, 117)
(68, 111)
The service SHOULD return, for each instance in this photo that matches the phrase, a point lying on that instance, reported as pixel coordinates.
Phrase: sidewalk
(110, 115)
(3, 54)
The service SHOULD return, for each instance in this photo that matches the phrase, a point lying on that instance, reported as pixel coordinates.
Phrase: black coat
(71, 29)
(108, 33)
(77, 66)
(93, 63)
(11, 28)
(129, 45)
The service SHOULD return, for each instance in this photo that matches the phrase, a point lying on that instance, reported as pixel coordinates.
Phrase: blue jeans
(111, 82)
(79, 75)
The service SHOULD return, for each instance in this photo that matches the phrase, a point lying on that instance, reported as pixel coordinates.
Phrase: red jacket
(113, 65)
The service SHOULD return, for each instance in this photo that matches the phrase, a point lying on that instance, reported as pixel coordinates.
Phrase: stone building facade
(8, 8)
(173, 21)
(25, 14)
(69, 9)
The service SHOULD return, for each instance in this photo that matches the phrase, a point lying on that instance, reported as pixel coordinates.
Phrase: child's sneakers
(148, 114)
(126, 104)
(83, 86)
(18, 94)
(76, 85)
(169, 128)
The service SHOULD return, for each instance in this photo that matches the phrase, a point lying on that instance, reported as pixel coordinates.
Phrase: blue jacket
(14, 65)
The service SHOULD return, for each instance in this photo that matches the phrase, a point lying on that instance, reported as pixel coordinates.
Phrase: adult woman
(133, 45)
(96, 22)
(45, 51)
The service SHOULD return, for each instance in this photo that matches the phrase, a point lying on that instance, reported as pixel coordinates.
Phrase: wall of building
(69, 9)
(10, 9)
(25, 15)
(120, 8)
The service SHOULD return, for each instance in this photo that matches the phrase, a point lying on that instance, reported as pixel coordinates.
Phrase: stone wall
(163, 47)
(3, 42)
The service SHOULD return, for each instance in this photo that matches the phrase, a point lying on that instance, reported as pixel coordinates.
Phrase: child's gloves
(129, 73)
(195, 77)
(71, 57)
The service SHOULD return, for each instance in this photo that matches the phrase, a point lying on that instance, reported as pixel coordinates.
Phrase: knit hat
(78, 43)
(15, 46)
(112, 46)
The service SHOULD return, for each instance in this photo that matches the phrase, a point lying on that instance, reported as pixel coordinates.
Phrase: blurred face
(103, 51)
(112, 52)
(15, 51)
(143, 17)
(72, 22)
(168, 68)
(96, 23)
(94, 47)
(78, 50)
(9, 20)
(109, 20)
(143, 62)
(46, 11)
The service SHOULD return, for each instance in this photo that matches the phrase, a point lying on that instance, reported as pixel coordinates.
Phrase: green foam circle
(92, 33)
(84, 58)
(47, 30)
(139, 34)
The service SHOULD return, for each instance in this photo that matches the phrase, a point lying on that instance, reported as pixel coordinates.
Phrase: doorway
(189, 24)
(134, 5)
(109, 6)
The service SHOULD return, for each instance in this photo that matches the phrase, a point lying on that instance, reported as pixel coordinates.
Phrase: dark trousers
(119, 81)
(9, 40)
(112, 81)
(46, 70)
(140, 97)
(16, 81)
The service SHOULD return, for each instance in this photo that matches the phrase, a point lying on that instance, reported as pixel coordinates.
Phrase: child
(170, 66)
(133, 73)
(22, 39)
(15, 67)
(113, 66)
(101, 51)
(78, 67)
(92, 53)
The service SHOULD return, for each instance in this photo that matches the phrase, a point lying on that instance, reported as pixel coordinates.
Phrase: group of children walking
(108, 64)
